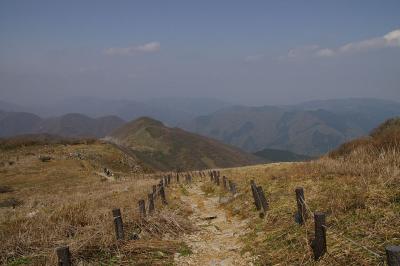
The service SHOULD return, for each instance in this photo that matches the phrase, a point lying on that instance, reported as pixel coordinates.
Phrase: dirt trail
(217, 242)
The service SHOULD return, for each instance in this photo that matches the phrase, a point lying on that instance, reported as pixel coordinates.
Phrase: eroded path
(217, 241)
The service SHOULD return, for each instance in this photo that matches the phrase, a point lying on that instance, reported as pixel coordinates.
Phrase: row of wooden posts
(319, 243)
(158, 191)
(226, 183)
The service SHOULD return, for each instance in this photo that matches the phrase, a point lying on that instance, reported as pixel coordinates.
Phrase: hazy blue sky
(251, 52)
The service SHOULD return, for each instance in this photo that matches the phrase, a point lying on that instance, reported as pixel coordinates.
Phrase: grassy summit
(167, 148)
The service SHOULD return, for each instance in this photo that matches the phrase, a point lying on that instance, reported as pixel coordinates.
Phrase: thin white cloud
(150, 47)
(302, 51)
(391, 39)
(325, 52)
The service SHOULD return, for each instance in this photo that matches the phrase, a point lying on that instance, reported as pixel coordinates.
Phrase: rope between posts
(342, 234)
(354, 242)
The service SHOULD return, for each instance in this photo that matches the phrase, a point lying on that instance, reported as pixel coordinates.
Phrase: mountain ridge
(69, 125)
(169, 148)
(303, 129)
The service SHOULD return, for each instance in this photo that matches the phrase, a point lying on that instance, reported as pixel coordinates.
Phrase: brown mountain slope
(383, 139)
(167, 148)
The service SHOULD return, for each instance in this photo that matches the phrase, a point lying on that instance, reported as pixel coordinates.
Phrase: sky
(247, 52)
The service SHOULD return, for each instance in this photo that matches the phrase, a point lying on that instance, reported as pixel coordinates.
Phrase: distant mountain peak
(166, 148)
(147, 120)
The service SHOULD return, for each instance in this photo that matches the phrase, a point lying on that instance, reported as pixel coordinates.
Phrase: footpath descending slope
(217, 242)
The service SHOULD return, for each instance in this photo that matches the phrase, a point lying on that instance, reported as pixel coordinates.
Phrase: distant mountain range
(311, 128)
(165, 148)
(69, 125)
(169, 110)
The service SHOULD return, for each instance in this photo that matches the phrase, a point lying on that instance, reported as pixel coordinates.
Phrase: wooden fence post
(159, 189)
(393, 255)
(319, 243)
(256, 197)
(142, 208)
(150, 198)
(263, 200)
(63, 256)
(224, 181)
(232, 187)
(116, 213)
(154, 191)
(162, 194)
(301, 214)
(217, 180)
(119, 226)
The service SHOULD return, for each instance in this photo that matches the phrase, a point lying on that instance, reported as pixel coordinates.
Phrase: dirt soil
(217, 240)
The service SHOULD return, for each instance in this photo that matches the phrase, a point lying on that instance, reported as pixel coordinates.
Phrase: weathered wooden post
(142, 208)
(150, 198)
(232, 187)
(230, 184)
(163, 197)
(301, 214)
(165, 181)
(217, 180)
(263, 200)
(393, 255)
(224, 181)
(211, 176)
(319, 243)
(119, 226)
(63, 256)
(159, 189)
(256, 197)
(169, 179)
(154, 191)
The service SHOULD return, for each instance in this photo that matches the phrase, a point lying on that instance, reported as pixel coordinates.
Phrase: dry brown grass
(65, 201)
(360, 193)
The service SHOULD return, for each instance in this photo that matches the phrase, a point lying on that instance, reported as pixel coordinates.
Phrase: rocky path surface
(217, 240)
